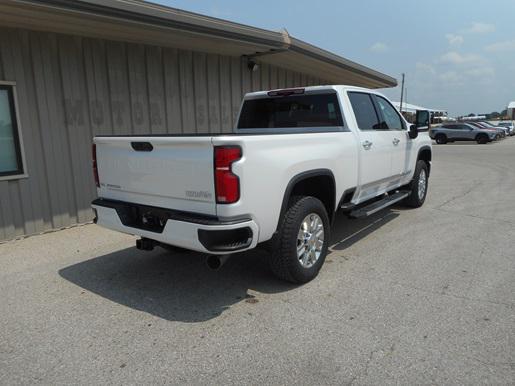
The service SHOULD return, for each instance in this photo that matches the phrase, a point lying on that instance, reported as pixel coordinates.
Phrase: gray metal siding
(71, 88)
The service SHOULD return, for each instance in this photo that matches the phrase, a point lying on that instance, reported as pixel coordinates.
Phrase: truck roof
(309, 89)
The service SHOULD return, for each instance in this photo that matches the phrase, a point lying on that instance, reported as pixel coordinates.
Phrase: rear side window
(311, 110)
(364, 111)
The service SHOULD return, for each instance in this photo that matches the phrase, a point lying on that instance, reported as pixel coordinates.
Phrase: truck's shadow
(182, 288)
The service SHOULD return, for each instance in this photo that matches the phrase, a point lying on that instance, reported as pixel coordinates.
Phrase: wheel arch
(425, 153)
(319, 183)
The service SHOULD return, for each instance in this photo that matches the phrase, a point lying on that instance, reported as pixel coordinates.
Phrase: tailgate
(165, 172)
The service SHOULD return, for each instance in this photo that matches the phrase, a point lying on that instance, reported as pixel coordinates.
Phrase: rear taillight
(227, 184)
(95, 168)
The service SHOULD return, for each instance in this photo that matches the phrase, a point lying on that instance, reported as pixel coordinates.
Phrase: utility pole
(402, 92)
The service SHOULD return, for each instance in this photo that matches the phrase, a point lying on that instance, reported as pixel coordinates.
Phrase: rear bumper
(185, 230)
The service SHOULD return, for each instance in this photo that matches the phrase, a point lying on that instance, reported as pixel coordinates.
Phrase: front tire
(302, 242)
(418, 186)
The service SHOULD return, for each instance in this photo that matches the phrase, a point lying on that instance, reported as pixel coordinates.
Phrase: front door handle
(396, 141)
(367, 145)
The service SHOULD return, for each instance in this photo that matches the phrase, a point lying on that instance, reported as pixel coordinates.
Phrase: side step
(379, 205)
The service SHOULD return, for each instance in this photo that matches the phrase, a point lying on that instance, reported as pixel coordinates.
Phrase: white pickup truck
(296, 157)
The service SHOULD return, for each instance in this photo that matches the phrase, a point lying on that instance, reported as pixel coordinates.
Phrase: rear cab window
(313, 110)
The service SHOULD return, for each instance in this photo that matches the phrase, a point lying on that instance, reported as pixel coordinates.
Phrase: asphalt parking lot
(423, 296)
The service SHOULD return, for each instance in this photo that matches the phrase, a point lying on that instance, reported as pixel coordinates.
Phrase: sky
(457, 55)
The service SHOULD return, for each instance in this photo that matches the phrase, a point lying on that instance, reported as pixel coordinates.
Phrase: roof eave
(340, 62)
(238, 39)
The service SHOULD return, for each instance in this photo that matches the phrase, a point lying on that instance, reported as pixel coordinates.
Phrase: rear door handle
(367, 145)
(396, 141)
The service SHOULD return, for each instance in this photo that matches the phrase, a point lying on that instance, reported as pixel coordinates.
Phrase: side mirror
(413, 131)
(422, 119)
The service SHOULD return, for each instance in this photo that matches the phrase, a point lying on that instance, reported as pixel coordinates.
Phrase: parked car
(294, 159)
(500, 132)
(509, 125)
(461, 131)
(505, 130)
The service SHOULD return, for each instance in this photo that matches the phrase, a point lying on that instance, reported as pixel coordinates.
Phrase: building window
(11, 152)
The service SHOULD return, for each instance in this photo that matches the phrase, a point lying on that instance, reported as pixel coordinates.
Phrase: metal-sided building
(72, 69)
(510, 110)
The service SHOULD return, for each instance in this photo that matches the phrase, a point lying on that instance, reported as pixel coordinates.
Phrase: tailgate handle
(142, 146)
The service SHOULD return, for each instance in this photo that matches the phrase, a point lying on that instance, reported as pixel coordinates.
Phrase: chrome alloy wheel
(422, 184)
(310, 240)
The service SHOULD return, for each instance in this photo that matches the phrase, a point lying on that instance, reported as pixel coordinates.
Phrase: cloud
(424, 67)
(479, 28)
(482, 75)
(451, 78)
(480, 72)
(454, 40)
(508, 45)
(462, 68)
(453, 57)
(379, 47)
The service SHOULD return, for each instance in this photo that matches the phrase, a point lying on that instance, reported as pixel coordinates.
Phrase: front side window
(10, 151)
(308, 110)
(390, 116)
(364, 111)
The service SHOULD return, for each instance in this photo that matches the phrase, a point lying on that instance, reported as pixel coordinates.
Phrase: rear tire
(299, 252)
(482, 139)
(441, 139)
(418, 186)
